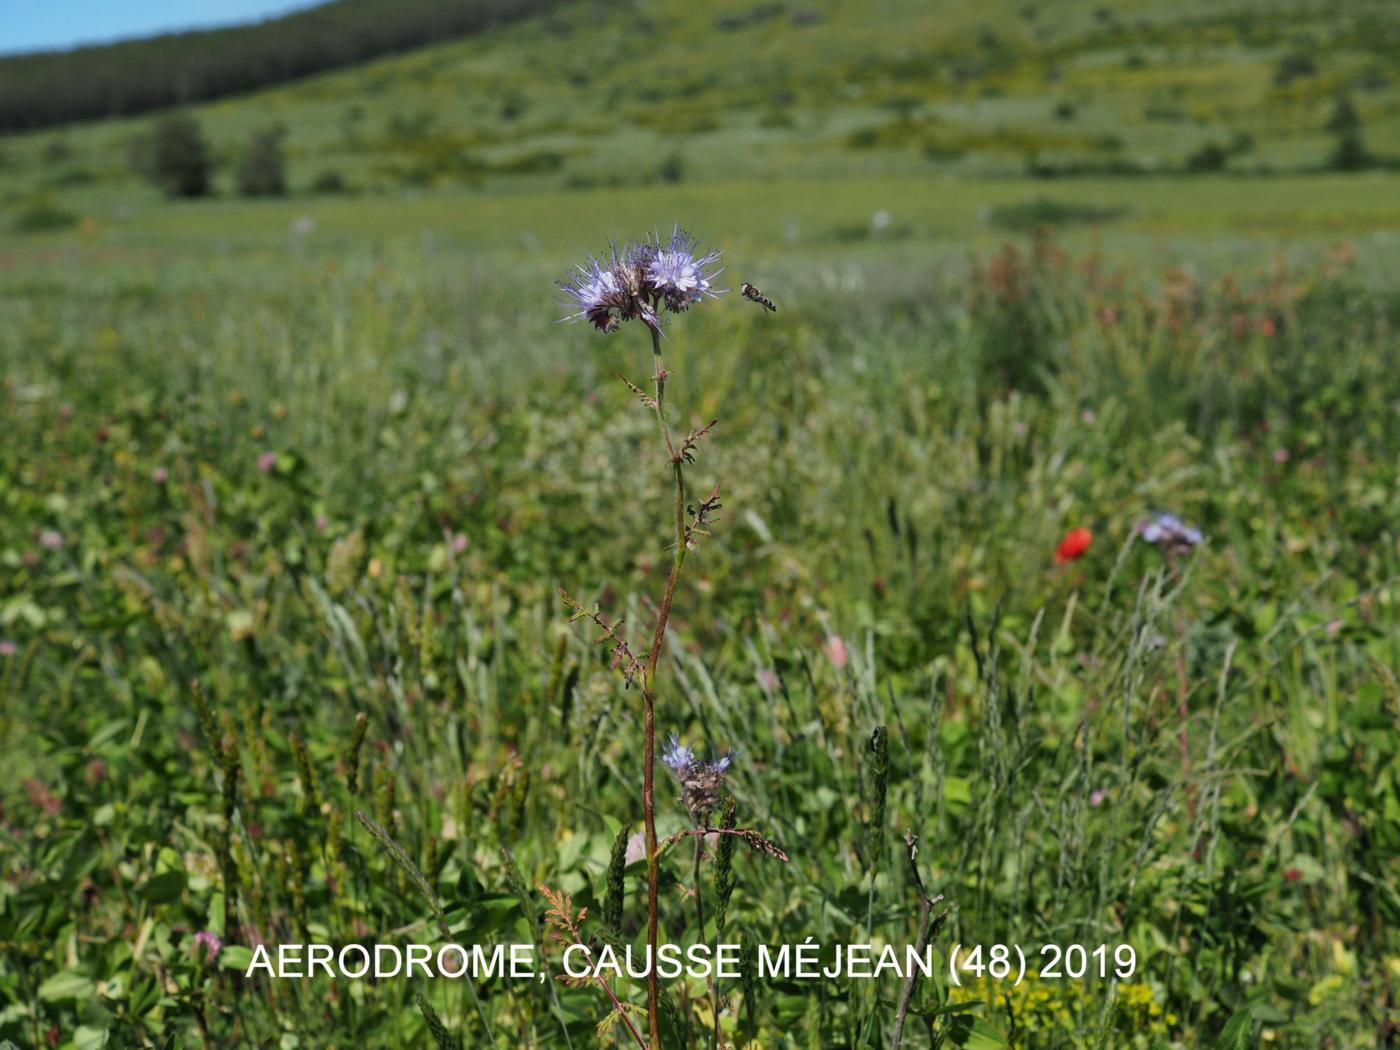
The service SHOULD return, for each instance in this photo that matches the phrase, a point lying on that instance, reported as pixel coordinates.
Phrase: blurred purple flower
(160, 475)
(211, 944)
(51, 539)
(267, 461)
(7, 647)
(1170, 534)
(1097, 796)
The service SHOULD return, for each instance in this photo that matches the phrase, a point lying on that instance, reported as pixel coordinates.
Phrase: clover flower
(639, 281)
(701, 781)
(1170, 534)
(210, 943)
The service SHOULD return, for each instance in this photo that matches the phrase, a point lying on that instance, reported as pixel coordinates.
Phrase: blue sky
(45, 25)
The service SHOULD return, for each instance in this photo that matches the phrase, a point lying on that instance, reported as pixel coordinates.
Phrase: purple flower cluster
(701, 781)
(1170, 534)
(640, 281)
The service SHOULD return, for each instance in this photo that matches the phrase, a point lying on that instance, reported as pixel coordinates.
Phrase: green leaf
(236, 957)
(979, 1035)
(67, 985)
(163, 888)
(1238, 1033)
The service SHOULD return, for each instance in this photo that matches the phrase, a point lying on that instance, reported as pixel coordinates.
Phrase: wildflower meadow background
(1055, 527)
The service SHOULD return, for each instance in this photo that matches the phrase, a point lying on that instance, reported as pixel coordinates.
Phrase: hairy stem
(700, 926)
(928, 925)
(1183, 692)
(649, 695)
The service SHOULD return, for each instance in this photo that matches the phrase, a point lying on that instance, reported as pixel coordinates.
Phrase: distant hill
(620, 93)
(42, 90)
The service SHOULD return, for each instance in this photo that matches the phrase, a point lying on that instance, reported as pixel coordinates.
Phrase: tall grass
(341, 499)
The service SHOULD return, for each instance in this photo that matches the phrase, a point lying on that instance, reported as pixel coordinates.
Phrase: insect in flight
(750, 292)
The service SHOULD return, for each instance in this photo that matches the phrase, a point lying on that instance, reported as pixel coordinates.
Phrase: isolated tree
(263, 169)
(1350, 152)
(1344, 116)
(180, 157)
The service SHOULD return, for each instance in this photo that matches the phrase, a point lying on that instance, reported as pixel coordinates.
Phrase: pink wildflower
(211, 944)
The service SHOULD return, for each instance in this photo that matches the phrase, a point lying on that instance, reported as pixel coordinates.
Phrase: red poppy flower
(1073, 546)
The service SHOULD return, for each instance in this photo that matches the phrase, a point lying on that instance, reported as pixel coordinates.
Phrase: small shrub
(72, 177)
(330, 182)
(755, 16)
(672, 169)
(179, 157)
(1210, 157)
(1294, 66)
(263, 170)
(44, 216)
(1043, 213)
(536, 162)
(863, 138)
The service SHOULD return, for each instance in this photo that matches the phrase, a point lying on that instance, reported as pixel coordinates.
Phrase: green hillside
(617, 94)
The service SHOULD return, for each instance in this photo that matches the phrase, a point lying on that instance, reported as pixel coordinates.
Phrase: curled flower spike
(677, 755)
(1170, 534)
(597, 293)
(638, 282)
(701, 781)
(676, 272)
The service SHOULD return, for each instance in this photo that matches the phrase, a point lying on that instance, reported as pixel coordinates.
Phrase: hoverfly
(750, 292)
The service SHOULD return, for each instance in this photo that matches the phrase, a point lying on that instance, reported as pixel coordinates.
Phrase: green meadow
(289, 488)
